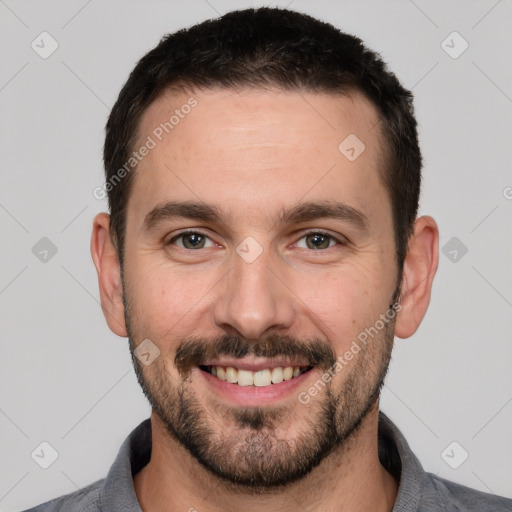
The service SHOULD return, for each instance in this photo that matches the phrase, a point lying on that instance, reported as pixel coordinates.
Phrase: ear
(420, 267)
(106, 261)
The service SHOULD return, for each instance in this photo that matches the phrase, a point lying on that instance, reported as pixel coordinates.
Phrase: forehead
(264, 147)
(259, 114)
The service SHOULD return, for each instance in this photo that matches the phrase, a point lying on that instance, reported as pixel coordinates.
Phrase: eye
(318, 241)
(191, 240)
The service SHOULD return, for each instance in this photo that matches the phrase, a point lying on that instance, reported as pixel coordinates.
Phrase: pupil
(193, 240)
(319, 241)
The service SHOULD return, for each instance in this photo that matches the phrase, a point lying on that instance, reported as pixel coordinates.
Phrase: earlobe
(106, 261)
(420, 267)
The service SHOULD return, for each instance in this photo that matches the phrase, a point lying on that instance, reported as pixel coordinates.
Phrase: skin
(252, 153)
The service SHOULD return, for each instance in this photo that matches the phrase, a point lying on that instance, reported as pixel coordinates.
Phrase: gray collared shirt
(418, 491)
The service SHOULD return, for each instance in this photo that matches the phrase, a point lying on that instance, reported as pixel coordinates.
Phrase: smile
(260, 378)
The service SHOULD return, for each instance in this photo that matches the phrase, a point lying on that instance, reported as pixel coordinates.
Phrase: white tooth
(221, 373)
(231, 375)
(214, 370)
(262, 378)
(277, 375)
(296, 371)
(245, 378)
(287, 373)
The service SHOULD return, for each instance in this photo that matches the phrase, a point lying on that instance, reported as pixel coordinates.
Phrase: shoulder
(84, 500)
(457, 497)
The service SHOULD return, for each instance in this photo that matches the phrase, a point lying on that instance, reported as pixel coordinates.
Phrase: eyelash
(195, 232)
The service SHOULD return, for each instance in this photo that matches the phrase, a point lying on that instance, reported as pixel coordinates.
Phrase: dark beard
(247, 454)
(252, 457)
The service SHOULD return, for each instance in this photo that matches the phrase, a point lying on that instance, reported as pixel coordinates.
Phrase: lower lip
(255, 395)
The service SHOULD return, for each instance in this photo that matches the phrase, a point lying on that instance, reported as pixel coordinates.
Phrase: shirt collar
(118, 492)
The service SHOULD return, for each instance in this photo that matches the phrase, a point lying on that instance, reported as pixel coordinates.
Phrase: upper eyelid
(187, 232)
(340, 239)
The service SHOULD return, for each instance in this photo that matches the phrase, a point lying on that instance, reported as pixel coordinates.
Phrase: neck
(350, 478)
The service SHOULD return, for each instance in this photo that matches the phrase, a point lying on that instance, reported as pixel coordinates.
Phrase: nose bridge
(253, 300)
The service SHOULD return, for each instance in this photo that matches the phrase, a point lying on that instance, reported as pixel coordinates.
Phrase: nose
(254, 299)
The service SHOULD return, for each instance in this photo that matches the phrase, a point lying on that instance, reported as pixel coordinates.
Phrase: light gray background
(66, 379)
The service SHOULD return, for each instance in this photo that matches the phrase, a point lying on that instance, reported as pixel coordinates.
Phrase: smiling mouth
(260, 378)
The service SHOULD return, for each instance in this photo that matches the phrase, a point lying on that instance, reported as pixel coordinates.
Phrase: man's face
(275, 280)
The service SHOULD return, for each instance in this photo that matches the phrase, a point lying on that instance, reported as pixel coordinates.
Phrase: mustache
(194, 351)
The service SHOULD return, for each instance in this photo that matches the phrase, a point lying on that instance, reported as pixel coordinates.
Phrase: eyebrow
(302, 212)
(184, 209)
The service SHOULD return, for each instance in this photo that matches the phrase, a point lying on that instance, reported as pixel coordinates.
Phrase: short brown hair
(278, 48)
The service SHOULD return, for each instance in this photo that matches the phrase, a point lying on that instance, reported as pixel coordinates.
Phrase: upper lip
(254, 364)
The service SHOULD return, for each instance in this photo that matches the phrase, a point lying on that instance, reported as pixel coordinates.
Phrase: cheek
(346, 302)
(166, 301)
